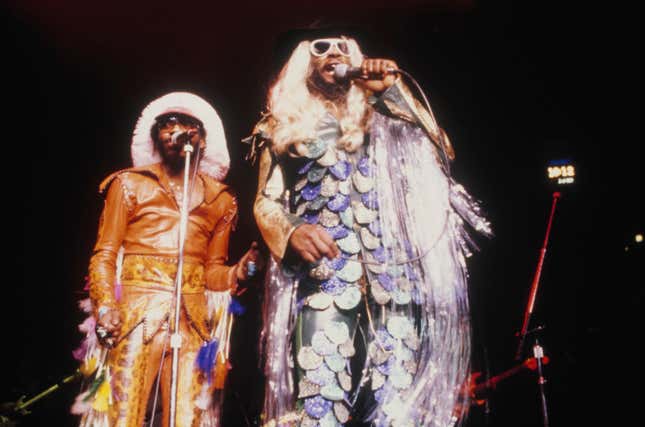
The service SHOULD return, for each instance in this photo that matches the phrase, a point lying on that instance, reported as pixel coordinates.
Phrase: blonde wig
(297, 111)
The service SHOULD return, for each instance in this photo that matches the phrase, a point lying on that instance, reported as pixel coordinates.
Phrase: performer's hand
(312, 242)
(250, 263)
(108, 327)
(375, 74)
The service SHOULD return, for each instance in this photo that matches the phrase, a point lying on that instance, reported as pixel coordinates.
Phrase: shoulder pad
(144, 170)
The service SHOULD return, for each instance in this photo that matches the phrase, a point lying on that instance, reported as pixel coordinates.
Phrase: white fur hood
(215, 161)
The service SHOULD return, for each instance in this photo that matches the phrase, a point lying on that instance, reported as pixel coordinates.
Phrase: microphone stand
(175, 337)
(487, 406)
(20, 406)
(538, 352)
(536, 281)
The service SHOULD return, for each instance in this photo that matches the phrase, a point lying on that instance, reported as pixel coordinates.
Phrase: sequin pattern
(336, 190)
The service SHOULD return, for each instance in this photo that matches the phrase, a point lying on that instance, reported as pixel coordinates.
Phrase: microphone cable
(444, 156)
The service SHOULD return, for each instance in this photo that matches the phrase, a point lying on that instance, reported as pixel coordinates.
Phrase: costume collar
(212, 187)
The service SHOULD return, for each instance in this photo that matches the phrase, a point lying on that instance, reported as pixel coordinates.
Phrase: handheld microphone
(182, 134)
(343, 72)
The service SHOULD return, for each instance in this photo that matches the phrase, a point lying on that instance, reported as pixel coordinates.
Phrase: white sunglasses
(322, 47)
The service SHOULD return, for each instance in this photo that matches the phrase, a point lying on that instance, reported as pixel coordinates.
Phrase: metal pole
(536, 281)
(22, 406)
(175, 337)
(538, 353)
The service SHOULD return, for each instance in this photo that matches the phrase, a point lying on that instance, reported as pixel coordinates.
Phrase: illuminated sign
(561, 172)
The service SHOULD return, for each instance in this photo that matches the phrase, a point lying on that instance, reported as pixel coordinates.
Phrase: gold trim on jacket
(142, 217)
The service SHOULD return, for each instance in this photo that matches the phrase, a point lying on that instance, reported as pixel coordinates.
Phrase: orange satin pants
(135, 363)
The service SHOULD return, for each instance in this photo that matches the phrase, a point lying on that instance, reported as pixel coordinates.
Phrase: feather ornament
(203, 400)
(103, 396)
(90, 340)
(81, 405)
(88, 367)
(206, 358)
(85, 305)
(236, 308)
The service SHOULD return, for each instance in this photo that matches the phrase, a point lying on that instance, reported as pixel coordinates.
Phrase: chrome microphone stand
(175, 337)
(538, 352)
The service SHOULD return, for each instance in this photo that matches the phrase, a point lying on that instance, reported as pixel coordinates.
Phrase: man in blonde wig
(366, 313)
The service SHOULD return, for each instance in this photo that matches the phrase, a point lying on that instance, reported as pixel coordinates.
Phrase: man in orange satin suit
(135, 261)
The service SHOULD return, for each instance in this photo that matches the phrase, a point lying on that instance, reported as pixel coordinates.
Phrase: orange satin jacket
(142, 217)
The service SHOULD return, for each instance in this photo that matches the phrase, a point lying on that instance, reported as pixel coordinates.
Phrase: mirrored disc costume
(381, 333)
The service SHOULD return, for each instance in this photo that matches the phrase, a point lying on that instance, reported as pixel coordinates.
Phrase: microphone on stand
(343, 72)
(183, 134)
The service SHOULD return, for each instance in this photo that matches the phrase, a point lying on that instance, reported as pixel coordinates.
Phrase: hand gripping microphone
(343, 72)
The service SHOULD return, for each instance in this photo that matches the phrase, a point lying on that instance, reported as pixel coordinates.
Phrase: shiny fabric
(142, 216)
(135, 361)
(274, 222)
(380, 334)
(154, 276)
(141, 219)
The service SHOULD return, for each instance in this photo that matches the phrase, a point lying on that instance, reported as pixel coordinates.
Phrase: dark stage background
(514, 85)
